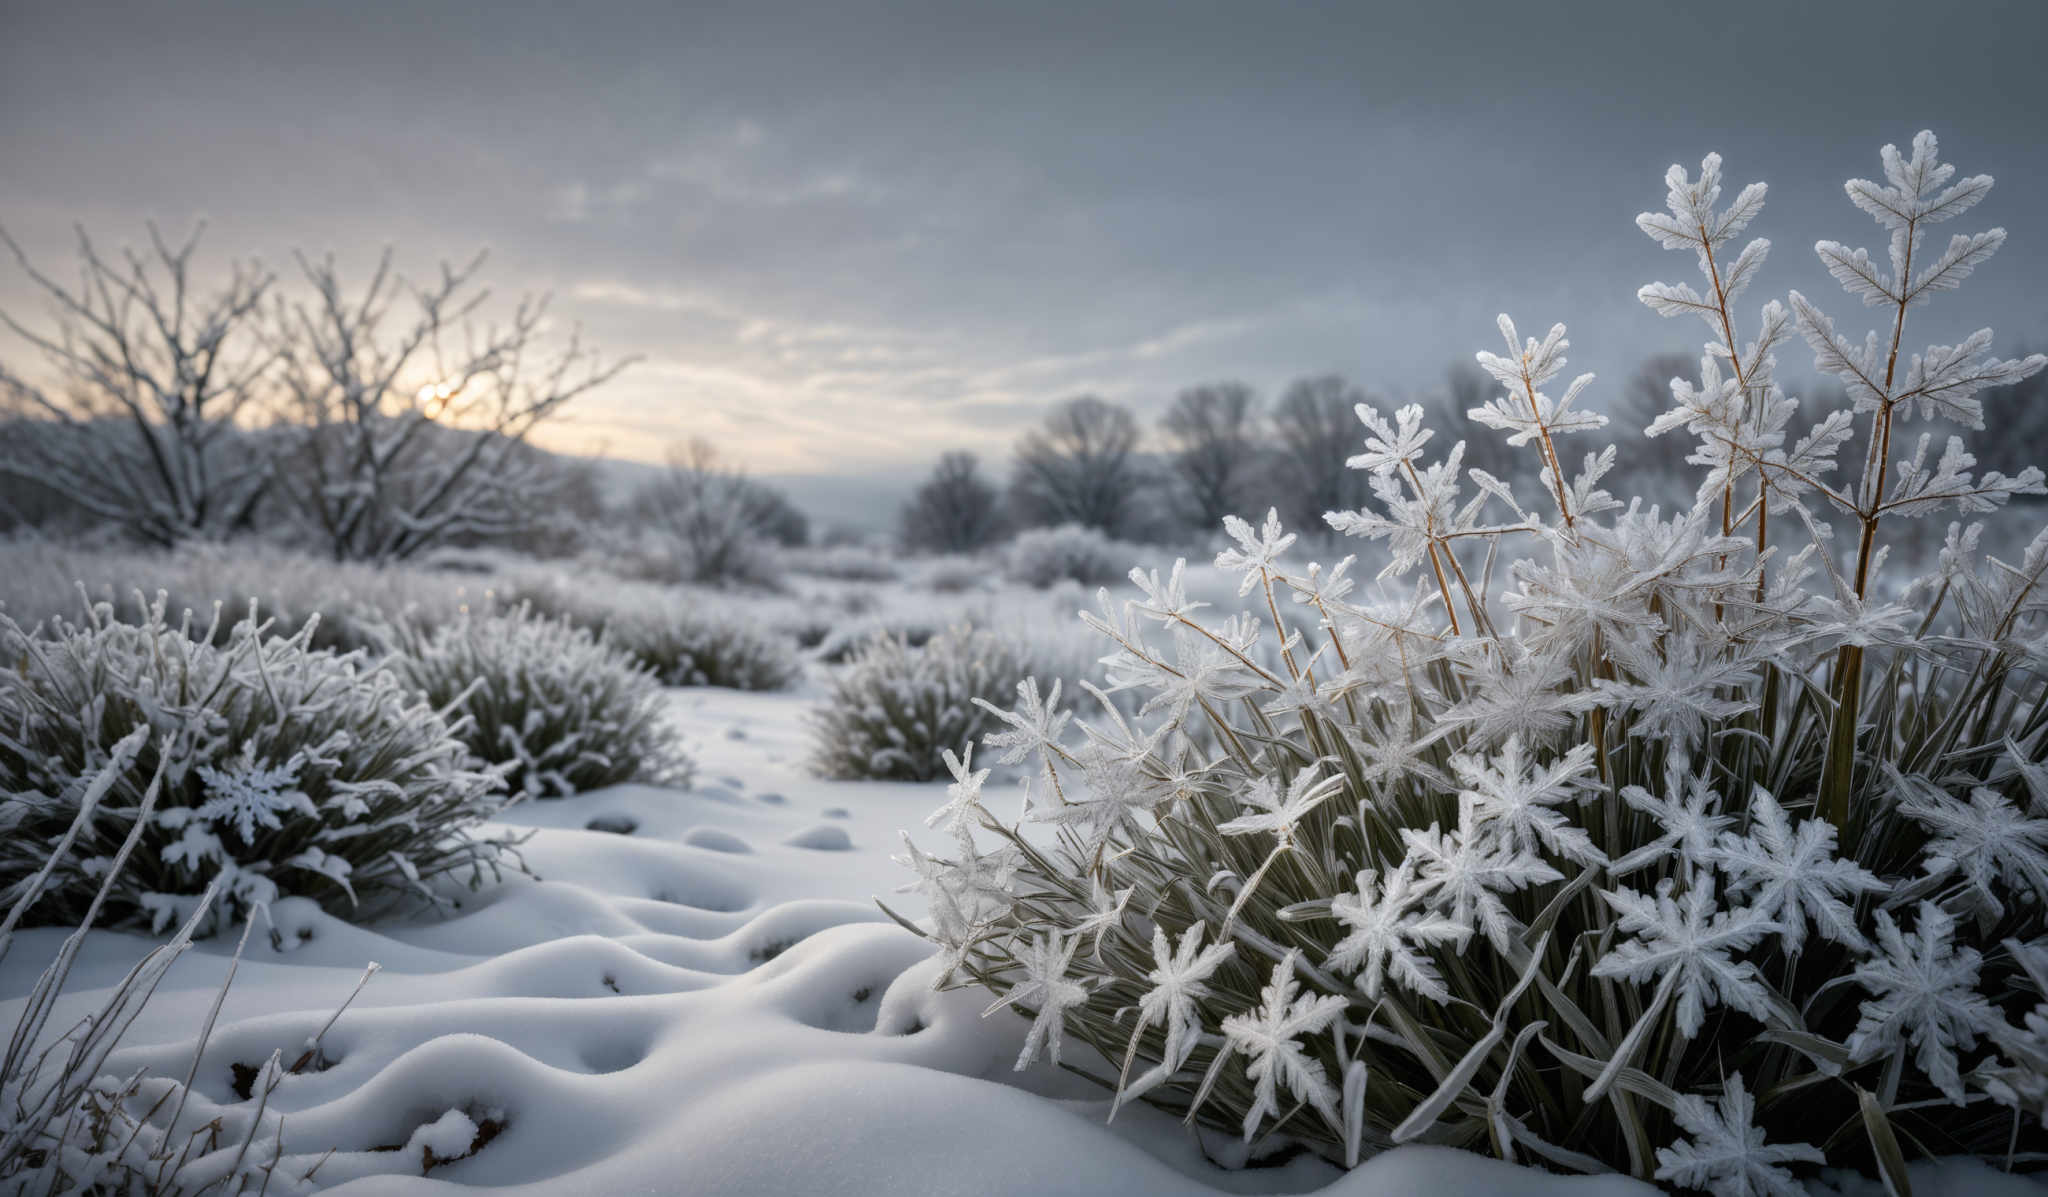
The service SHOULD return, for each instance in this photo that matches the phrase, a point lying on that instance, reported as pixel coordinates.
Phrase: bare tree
(146, 379)
(1212, 434)
(1078, 467)
(1318, 431)
(406, 430)
(955, 511)
(716, 520)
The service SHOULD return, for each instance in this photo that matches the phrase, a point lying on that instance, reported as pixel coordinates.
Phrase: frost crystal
(1046, 986)
(1281, 814)
(1471, 868)
(1268, 1036)
(1390, 934)
(1984, 841)
(247, 796)
(1926, 987)
(1791, 876)
(1518, 801)
(1179, 982)
(1689, 941)
(1726, 1153)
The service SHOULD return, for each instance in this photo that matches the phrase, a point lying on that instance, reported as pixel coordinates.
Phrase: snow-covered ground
(700, 997)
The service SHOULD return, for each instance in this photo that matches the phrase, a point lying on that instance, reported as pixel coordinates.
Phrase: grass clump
(1045, 557)
(556, 708)
(285, 770)
(1692, 856)
(896, 710)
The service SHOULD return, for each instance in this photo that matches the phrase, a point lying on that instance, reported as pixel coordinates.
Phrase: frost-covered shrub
(1690, 855)
(681, 640)
(1043, 557)
(558, 709)
(344, 603)
(684, 648)
(955, 574)
(286, 770)
(897, 711)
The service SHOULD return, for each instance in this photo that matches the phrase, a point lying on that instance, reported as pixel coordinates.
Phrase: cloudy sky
(846, 237)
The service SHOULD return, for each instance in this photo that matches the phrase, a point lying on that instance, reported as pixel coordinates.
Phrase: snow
(700, 995)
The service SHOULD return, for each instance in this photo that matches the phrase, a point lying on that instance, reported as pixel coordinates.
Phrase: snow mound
(822, 838)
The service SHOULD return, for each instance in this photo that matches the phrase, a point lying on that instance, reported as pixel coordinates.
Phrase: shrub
(1695, 858)
(287, 770)
(955, 574)
(682, 648)
(691, 640)
(1043, 557)
(558, 709)
(895, 711)
(350, 600)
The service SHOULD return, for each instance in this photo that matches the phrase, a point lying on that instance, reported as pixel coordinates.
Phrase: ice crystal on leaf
(1793, 876)
(1988, 844)
(1470, 868)
(963, 797)
(1269, 1036)
(1256, 550)
(1045, 985)
(1689, 941)
(1179, 980)
(1390, 930)
(246, 796)
(1517, 800)
(1725, 1152)
(1035, 724)
(1926, 996)
(1277, 812)
(1687, 818)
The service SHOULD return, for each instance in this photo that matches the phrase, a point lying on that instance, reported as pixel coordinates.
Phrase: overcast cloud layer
(845, 238)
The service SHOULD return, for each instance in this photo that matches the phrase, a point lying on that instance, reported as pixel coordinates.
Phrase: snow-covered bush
(896, 711)
(286, 770)
(1043, 557)
(350, 600)
(686, 648)
(558, 709)
(1687, 855)
(955, 573)
(681, 640)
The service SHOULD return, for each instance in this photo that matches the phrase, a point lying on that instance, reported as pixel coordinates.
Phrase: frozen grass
(285, 770)
(1695, 857)
(556, 708)
(43, 582)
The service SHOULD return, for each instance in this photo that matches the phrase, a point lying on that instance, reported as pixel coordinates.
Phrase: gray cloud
(846, 236)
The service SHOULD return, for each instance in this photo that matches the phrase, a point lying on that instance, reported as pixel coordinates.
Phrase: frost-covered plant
(896, 711)
(681, 640)
(288, 770)
(1686, 854)
(69, 1126)
(555, 708)
(684, 648)
(1044, 557)
(343, 602)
